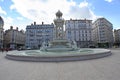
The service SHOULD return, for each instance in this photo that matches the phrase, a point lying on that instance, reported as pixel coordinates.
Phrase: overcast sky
(20, 13)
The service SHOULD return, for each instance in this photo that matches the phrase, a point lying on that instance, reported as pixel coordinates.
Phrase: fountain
(59, 43)
(60, 49)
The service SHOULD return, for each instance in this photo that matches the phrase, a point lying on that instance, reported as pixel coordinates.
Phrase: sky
(20, 13)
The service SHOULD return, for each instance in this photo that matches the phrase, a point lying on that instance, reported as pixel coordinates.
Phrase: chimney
(11, 27)
(34, 23)
(42, 23)
(51, 23)
(17, 28)
(31, 24)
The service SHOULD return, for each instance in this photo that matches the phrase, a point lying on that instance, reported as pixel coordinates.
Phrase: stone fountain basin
(59, 56)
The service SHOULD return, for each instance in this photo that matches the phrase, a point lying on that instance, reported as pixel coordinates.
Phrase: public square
(107, 68)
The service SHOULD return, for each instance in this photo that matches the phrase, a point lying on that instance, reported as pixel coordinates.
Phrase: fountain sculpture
(60, 49)
(59, 43)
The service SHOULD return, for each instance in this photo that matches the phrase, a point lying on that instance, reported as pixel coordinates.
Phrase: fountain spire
(59, 22)
(59, 14)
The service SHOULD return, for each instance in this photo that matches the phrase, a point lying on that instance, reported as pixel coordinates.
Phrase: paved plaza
(107, 68)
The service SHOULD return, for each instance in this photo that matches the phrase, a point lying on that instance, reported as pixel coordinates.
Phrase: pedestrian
(2, 50)
(6, 49)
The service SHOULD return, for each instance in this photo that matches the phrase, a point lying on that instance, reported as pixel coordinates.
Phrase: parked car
(92, 47)
(28, 48)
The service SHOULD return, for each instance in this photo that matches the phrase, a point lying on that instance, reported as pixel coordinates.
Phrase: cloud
(109, 0)
(1, 0)
(44, 10)
(2, 11)
(83, 4)
(19, 18)
(82, 11)
(7, 22)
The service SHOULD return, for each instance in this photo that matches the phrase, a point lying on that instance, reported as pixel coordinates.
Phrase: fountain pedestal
(59, 43)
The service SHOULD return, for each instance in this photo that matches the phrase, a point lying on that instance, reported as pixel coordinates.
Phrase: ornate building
(13, 38)
(1, 32)
(36, 34)
(80, 31)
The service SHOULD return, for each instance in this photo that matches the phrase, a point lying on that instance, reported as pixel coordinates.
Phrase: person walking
(2, 50)
(6, 49)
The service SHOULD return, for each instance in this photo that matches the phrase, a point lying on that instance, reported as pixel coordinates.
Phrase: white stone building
(80, 31)
(1, 32)
(36, 34)
(13, 38)
(102, 33)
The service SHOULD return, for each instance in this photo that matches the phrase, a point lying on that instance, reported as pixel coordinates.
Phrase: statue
(59, 29)
(59, 43)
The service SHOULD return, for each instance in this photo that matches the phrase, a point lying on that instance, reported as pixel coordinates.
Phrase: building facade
(36, 34)
(80, 31)
(13, 38)
(1, 32)
(102, 33)
(117, 37)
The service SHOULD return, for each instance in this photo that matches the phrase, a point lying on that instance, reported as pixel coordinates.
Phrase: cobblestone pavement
(107, 68)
